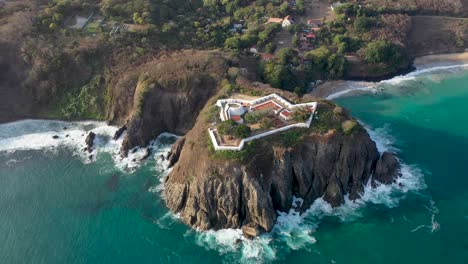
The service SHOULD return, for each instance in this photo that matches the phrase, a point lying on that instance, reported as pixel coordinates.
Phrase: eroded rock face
(333, 165)
(387, 168)
(215, 202)
(214, 195)
(166, 95)
(174, 154)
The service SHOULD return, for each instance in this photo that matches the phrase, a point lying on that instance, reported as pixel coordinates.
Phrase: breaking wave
(354, 87)
(51, 135)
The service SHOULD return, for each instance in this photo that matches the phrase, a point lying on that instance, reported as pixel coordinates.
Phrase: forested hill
(59, 58)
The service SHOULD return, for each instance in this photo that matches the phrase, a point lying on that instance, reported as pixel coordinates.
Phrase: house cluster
(309, 34)
(238, 27)
(285, 22)
(282, 113)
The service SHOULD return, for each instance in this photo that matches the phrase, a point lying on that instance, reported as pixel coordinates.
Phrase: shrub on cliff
(231, 128)
(384, 52)
(348, 126)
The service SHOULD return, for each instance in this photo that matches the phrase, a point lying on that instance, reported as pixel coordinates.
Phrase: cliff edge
(225, 189)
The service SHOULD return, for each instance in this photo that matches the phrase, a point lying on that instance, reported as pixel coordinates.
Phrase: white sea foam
(373, 87)
(353, 88)
(232, 242)
(382, 137)
(39, 135)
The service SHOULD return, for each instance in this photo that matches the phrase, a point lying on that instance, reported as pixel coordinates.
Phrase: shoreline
(333, 89)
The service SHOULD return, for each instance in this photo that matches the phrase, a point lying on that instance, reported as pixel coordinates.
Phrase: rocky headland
(221, 189)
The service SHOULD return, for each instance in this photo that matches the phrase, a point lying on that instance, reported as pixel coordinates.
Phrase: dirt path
(317, 9)
(444, 17)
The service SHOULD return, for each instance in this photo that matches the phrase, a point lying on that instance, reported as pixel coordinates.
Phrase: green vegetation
(231, 128)
(257, 116)
(363, 24)
(250, 148)
(385, 52)
(236, 26)
(301, 115)
(291, 138)
(349, 126)
(86, 103)
(285, 71)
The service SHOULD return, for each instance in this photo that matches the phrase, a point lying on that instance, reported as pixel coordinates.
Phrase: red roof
(310, 35)
(266, 105)
(267, 56)
(285, 113)
(314, 21)
(236, 118)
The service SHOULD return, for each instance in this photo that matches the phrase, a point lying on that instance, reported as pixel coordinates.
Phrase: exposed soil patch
(430, 34)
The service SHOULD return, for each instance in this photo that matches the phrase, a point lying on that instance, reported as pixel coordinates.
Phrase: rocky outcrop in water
(119, 132)
(387, 168)
(89, 141)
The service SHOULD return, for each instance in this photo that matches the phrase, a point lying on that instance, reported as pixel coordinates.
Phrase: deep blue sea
(59, 206)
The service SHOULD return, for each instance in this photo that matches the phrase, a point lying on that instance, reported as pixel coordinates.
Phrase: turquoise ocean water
(57, 206)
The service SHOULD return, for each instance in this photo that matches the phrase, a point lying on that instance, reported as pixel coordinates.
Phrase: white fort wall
(267, 133)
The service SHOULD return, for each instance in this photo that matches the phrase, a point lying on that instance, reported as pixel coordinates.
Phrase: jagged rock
(333, 193)
(119, 132)
(174, 154)
(387, 169)
(282, 179)
(175, 91)
(90, 141)
(146, 155)
(323, 158)
(250, 232)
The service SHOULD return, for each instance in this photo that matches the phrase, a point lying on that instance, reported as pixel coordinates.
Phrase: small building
(314, 23)
(232, 111)
(237, 26)
(286, 114)
(267, 56)
(287, 21)
(311, 36)
(253, 50)
(274, 20)
(335, 5)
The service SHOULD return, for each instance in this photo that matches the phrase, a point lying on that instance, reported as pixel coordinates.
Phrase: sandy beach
(332, 89)
(429, 61)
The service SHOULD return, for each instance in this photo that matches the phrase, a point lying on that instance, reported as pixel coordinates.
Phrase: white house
(287, 21)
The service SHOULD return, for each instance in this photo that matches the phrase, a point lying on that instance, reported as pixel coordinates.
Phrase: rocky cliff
(210, 191)
(165, 95)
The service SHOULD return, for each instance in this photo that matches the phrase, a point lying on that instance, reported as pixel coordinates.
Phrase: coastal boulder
(387, 169)
(89, 141)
